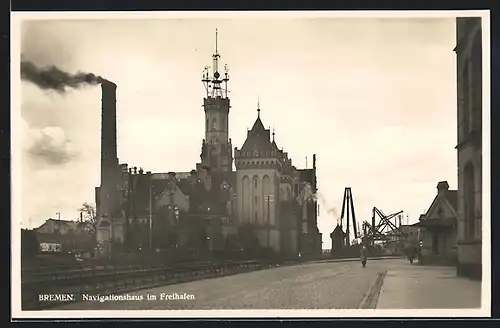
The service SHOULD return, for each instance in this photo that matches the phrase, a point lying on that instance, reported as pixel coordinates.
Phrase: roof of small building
(338, 231)
(69, 223)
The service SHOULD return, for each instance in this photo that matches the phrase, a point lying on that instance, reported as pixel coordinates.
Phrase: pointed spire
(216, 39)
(258, 106)
(273, 133)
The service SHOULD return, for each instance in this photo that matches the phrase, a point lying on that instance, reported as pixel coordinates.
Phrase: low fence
(36, 288)
(55, 263)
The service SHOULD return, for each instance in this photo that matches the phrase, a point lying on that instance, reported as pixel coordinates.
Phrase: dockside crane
(348, 212)
(378, 231)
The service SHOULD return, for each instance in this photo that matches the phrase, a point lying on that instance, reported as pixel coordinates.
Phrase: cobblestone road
(310, 286)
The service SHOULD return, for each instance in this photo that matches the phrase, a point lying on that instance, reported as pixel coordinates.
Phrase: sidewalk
(427, 287)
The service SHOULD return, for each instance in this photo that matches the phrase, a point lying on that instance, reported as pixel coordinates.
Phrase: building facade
(438, 227)
(469, 145)
(64, 236)
(256, 199)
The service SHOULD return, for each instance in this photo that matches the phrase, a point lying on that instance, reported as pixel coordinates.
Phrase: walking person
(419, 254)
(410, 253)
(364, 255)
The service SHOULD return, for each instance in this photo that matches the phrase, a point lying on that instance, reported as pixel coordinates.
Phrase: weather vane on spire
(258, 106)
(214, 82)
(216, 39)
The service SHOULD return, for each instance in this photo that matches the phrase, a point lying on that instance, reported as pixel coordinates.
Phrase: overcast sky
(375, 99)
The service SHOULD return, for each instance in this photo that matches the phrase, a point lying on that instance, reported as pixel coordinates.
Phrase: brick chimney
(109, 158)
(443, 186)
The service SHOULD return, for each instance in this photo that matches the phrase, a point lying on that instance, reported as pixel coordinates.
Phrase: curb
(370, 299)
(356, 259)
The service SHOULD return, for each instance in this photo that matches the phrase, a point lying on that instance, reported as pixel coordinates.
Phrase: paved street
(311, 286)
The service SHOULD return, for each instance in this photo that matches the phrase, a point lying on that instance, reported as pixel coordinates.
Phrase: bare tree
(89, 217)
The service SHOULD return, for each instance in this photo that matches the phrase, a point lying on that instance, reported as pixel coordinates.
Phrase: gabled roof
(447, 197)
(71, 224)
(218, 178)
(338, 231)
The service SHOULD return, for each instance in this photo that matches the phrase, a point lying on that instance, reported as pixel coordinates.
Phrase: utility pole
(269, 221)
(151, 218)
(59, 221)
(268, 198)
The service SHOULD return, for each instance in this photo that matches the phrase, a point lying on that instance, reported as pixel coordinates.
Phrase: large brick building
(234, 198)
(469, 147)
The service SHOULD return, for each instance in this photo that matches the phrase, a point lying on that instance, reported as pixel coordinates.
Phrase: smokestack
(108, 125)
(315, 180)
(109, 158)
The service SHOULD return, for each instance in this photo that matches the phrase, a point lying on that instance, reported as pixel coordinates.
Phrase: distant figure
(363, 255)
(411, 252)
(419, 254)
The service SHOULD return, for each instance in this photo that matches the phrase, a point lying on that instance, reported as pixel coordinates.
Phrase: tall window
(465, 97)
(255, 182)
(470, 222)
(214, 124)
(256, 200)
(476, 81)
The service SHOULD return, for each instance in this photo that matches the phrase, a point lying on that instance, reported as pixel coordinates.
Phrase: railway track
(122, 280)
(99, 271)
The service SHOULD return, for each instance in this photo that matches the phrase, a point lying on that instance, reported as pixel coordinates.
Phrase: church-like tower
(216, 148)
(258, 171)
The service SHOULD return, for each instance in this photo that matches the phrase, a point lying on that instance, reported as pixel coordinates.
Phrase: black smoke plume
(52, 78)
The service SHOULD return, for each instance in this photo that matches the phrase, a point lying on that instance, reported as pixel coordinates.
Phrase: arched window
(214, 124)
(245, 195)
(206, 125)
(476, 81)
(465, 99)
(469, 210)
